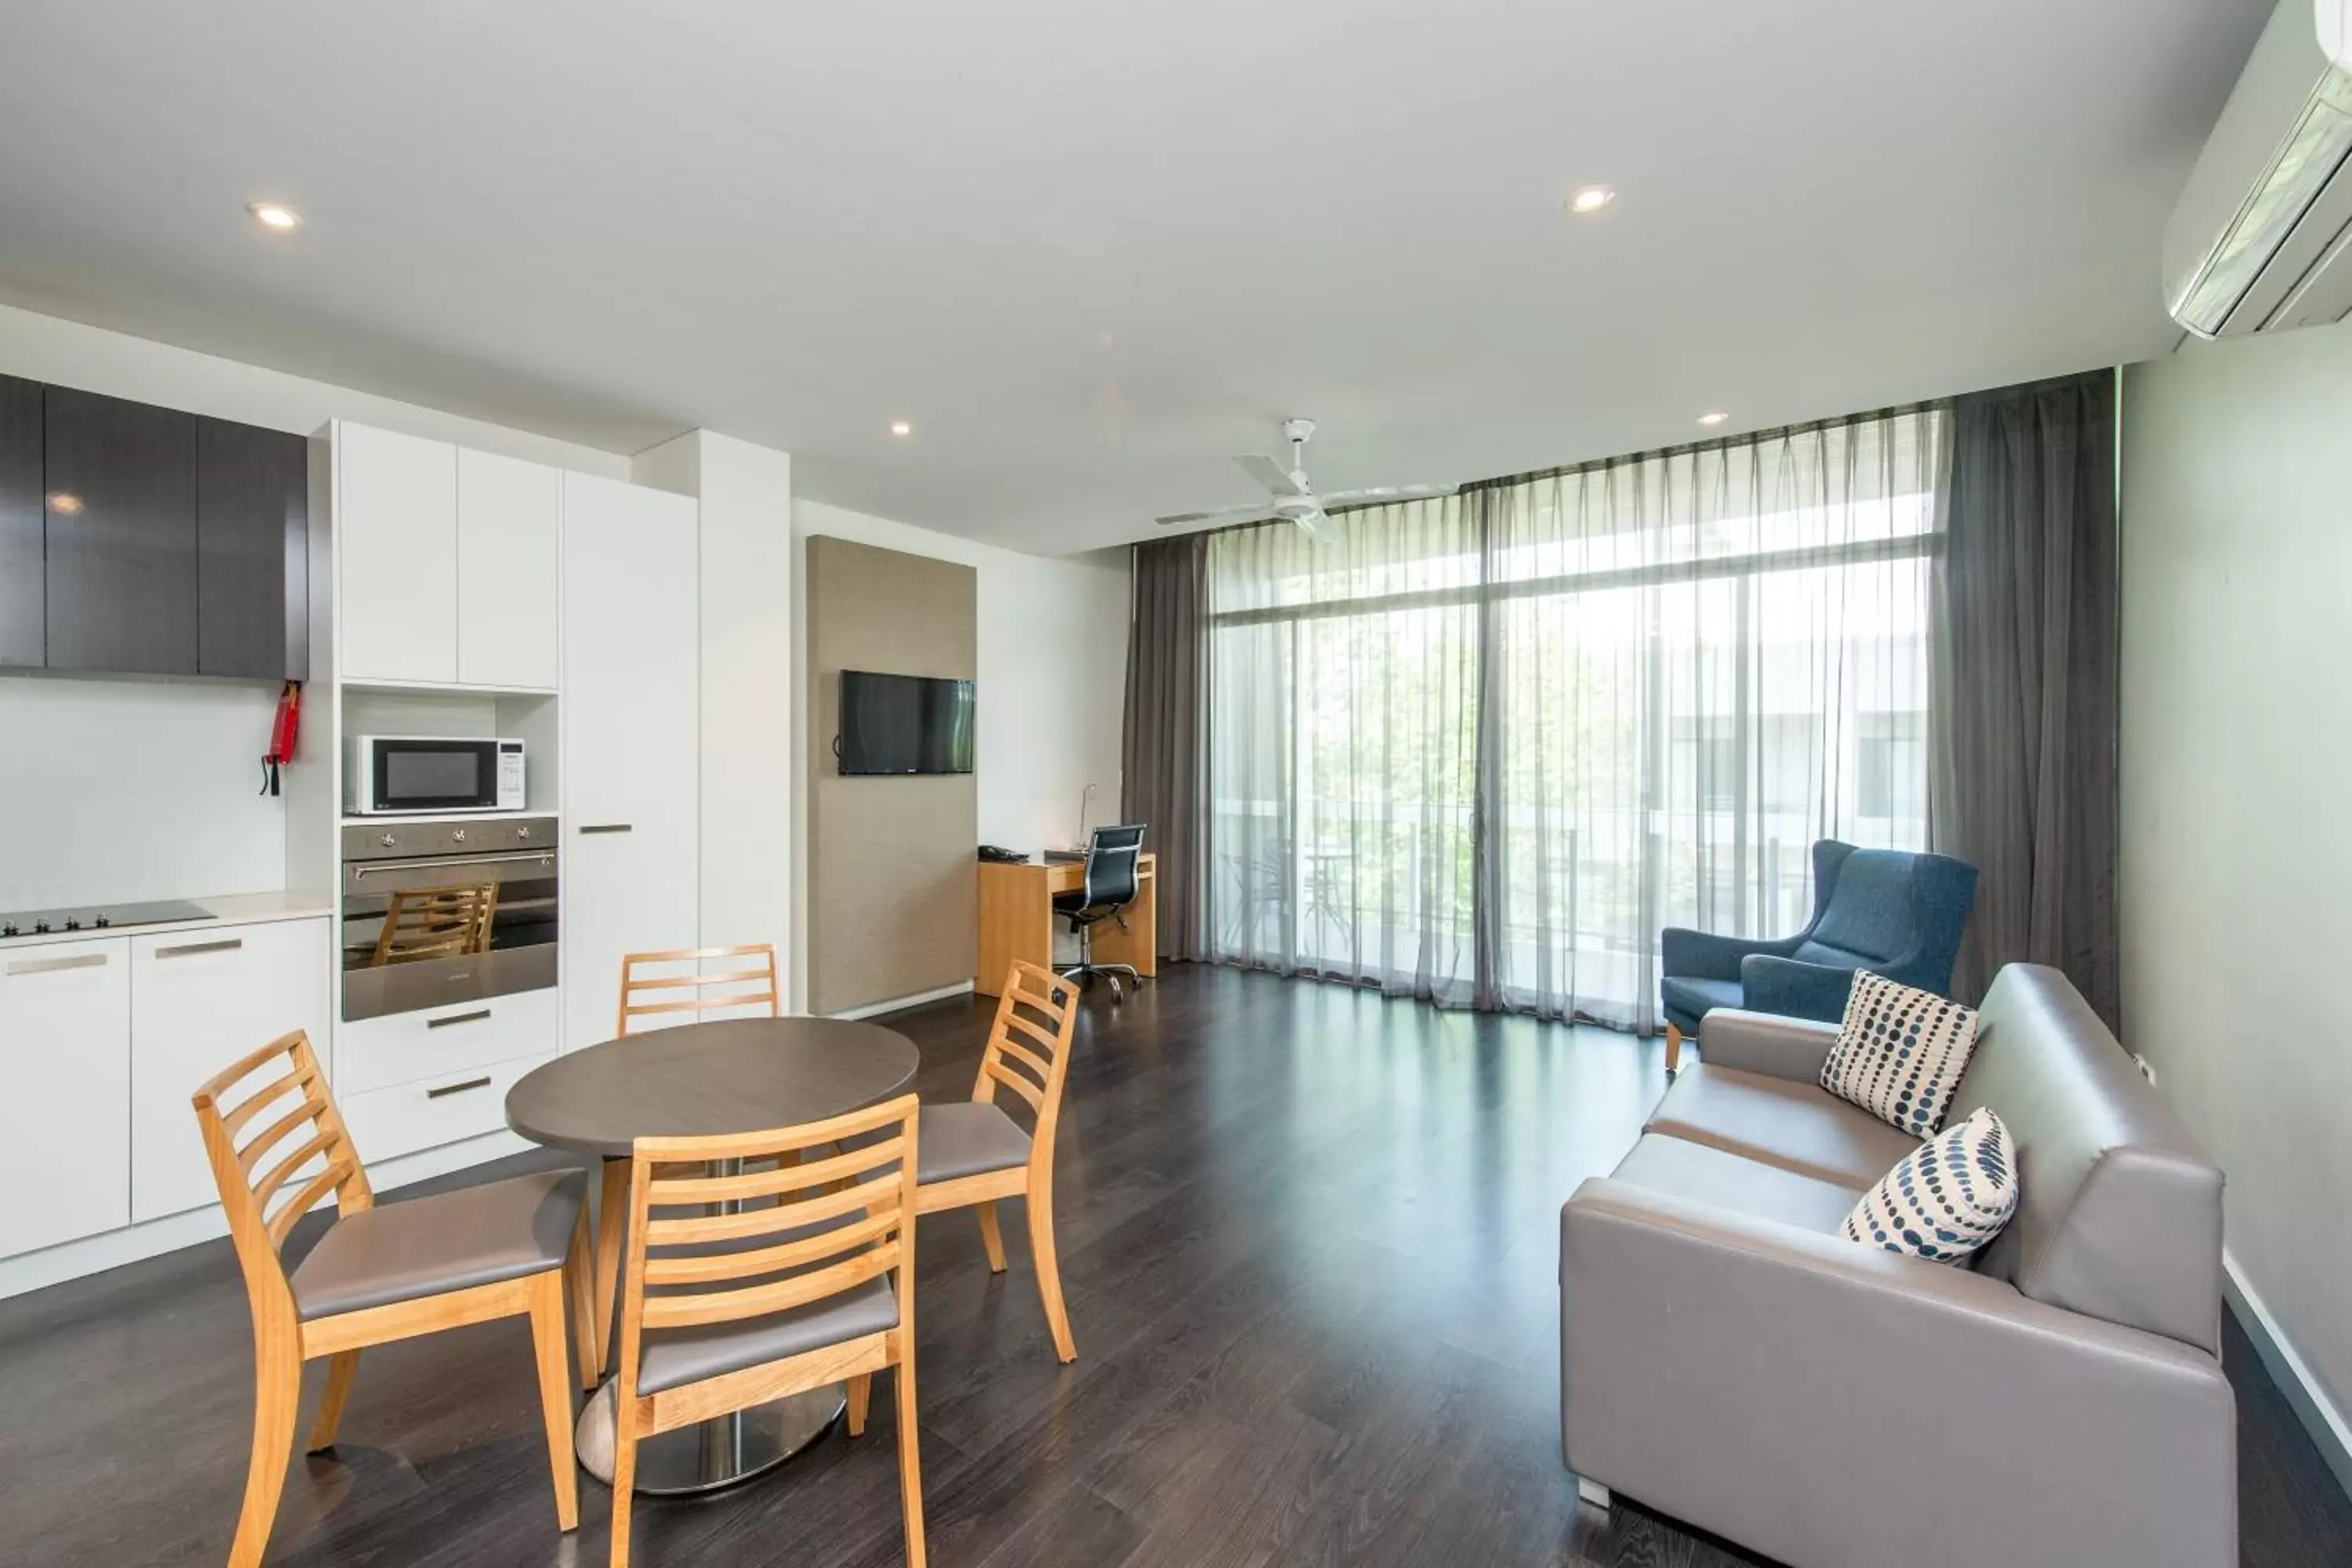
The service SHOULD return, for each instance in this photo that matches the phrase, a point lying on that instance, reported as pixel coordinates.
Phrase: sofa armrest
(1827, 1403)
(1704, 955)
(1767, 1043)
(1770, 984)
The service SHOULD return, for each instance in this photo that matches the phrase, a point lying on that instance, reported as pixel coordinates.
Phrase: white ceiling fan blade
(1315, 525)
(1272, 475)
(1255, 510)
(1386, 493)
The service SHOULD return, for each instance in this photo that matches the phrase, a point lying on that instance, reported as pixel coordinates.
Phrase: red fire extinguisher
(282, 735)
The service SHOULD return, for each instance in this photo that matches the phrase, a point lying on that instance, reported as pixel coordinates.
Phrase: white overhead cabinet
(631, 663)
(509, 526)
(200, 998)
(396, 536)
(448, 563)
(65, 1046)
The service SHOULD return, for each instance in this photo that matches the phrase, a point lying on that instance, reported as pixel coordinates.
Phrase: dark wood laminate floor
(1308, 1238)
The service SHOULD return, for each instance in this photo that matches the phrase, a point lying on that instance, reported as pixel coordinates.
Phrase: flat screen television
(904, 724)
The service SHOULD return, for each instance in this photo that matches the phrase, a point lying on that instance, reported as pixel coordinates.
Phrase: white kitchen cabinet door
(395, 530)
(65, 1046)
(200, 998)
(509, 520)
(631, 777)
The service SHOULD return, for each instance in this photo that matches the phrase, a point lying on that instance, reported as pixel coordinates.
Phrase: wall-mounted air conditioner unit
(2262, 238)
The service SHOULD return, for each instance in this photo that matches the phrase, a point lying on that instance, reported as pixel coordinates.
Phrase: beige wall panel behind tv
(893, 887)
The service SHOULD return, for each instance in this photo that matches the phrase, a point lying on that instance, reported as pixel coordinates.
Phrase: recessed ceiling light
(900, 428)
(1715, 418)
(1592, 199)
(65, 503)
(270, 214)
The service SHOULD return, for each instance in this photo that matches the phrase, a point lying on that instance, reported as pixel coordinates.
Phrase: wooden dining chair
(650, 983)
(504, 1249)
(650, 987)
(975, 1154)
(803, 1277)
(436, 922)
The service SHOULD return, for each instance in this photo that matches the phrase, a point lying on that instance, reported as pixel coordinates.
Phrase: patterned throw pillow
(1900, 1053)
(1948, 1198)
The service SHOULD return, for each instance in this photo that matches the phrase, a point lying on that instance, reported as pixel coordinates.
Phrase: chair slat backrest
(681, 982)
(1028, 1050)
(836, 1210)
(300, 1153)
(437, 922)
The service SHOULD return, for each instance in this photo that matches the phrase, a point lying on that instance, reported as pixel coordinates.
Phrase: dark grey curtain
(2024, 708)
(1163, 763)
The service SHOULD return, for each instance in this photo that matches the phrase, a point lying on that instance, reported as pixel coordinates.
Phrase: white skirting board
(873, 1009)
(114, 1249)
(2319, 1416)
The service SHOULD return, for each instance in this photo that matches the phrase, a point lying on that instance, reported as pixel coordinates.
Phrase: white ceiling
(1089, 249)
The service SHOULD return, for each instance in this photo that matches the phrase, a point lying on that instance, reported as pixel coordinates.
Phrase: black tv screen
(904, 724)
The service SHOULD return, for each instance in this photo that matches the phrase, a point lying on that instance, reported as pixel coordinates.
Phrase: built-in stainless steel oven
(448, 910)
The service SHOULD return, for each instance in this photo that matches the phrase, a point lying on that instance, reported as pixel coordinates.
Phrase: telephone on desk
(996, 854)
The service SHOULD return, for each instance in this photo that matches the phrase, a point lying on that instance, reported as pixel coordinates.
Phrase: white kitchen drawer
(406, 1048)
(65, 1121)
(387, 1122)
(201, 997)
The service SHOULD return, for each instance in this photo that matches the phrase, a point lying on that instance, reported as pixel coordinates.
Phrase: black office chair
(1112, 884)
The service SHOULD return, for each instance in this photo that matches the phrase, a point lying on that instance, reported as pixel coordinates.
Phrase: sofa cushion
(1944, 1200)
(2119, 1212)
(1899, 1053)
(1695, 997)
(1799, 1127)
(1723, 1180)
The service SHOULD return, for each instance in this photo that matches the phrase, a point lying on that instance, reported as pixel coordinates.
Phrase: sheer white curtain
(1481, 748)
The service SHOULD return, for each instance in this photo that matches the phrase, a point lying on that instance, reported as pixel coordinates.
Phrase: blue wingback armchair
(1889, 911)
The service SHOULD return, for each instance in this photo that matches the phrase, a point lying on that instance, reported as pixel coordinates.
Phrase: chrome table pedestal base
(713, 1453)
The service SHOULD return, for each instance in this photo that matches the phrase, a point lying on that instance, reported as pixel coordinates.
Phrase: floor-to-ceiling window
(1483, 747)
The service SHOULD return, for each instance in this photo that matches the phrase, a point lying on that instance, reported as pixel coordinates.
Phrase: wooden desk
(1017, 919)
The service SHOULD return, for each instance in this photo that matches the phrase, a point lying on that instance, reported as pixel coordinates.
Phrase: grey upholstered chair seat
(1723, 1180)
(1799, 1127)
(967, 1139)
(450, 1241)
(676, 1357)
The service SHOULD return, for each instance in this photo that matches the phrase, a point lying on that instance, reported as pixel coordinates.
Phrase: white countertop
(233, 909)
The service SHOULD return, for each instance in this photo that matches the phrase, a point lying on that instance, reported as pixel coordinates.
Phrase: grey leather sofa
(1729, 1359)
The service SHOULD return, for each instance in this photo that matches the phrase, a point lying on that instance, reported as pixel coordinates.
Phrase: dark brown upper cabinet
(121, 482)
(253, 580)
(22, 590)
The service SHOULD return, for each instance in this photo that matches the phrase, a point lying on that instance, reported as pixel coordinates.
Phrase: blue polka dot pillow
(1948, 1198)
(1900, 1053)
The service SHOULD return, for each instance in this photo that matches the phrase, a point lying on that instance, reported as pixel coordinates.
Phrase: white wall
(145, 789)
(118, 790)
(1051, 689)
(2236, 769)
(749, 652)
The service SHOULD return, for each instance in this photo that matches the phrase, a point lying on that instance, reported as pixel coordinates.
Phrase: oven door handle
(533, 856)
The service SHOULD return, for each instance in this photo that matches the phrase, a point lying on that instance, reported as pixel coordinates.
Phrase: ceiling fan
(1294, 500)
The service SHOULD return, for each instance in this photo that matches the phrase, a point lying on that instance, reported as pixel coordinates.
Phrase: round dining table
(730, 1076)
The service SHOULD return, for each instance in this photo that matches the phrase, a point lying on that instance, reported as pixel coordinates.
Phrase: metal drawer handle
(458, 1018)
(606, 827)
(228, 945)
(531, 857)
(51, 965)
(457, 1088)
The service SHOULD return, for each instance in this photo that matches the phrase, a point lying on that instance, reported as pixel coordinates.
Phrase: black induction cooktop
(102, 917)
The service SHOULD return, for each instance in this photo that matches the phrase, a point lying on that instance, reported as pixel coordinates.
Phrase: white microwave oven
(393, 775)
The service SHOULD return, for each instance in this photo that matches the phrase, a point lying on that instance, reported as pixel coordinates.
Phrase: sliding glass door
(1482, 749)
